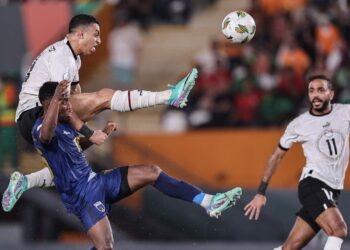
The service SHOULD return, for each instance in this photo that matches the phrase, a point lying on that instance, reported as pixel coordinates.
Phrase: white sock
(278, 248)
(333, 243)
(136, 99)
(206, 200)
(41, 178)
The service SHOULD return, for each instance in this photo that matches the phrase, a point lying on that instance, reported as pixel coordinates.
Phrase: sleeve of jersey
(76, 75)
(63, 68)
(75, 79)
(289, 137)
(36, 135)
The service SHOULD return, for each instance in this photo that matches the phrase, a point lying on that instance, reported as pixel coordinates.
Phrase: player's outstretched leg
(88, 105)
(182, 89)
(17, 185)
(142, 175)
(213, 204)
(222, 201)
(20, 183)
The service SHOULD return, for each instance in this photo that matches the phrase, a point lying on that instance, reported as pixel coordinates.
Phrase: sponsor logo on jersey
(327, 124)
(99, 206)
(91, 175)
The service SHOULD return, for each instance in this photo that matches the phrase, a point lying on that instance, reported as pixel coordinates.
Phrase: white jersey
(325, 142)
(55, 63)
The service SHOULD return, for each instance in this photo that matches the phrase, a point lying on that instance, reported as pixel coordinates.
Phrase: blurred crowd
(264, 82)
(148, 12)
(130, 19)
(8, 130)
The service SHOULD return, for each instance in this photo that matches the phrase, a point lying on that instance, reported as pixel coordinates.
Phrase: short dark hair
(47, 91)
(81, 20)
(322, 77)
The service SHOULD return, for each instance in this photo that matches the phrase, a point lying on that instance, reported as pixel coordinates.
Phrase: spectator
(265, 77)
(125, 44)
(291, 84)
(291, 55)
(327, 35)
(8, 145)
(246, 103)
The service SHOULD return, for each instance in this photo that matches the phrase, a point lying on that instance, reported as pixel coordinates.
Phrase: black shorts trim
(26, 121)
(124, 190)
(315, 197)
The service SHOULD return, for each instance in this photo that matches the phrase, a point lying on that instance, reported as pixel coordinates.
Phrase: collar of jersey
(310, 111)
(71, 49)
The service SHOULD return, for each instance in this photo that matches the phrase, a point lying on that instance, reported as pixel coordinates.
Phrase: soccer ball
(238, 27)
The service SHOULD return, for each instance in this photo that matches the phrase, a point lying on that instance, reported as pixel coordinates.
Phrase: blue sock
(198, 198)
(175, 188)
(94, 248)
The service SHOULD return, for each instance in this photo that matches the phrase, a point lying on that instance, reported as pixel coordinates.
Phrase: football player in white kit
(324, 135)
(61, 61)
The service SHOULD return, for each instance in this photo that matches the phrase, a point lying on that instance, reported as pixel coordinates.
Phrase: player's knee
(154, 172)
(340, 230)
(104, 242)
(294, 245)
(337, 229)
(105, 96)
(346, 233)
(107, 244)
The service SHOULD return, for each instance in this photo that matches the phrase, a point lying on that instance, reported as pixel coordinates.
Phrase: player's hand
(110, 127)
(252, 209)
(98, 137)
(61, 90)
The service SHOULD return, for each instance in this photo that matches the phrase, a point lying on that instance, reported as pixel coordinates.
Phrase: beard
(64, 119)
(322, 108)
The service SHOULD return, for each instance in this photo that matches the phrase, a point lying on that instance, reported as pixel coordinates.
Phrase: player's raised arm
(51, 112)
(252, 209)
(108, 129)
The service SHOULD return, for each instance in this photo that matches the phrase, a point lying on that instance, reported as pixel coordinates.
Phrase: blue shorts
(101, 191)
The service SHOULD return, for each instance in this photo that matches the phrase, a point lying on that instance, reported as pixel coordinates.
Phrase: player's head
(86, 32)
(321, 93)
(46, 92)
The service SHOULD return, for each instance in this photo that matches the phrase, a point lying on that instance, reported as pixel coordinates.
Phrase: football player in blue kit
(89, 195)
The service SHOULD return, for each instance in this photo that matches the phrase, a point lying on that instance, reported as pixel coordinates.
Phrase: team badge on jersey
(331, 143)
(99, 206)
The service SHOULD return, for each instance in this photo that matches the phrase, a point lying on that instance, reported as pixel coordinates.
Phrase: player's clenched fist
(110, 127)
(98, 137)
